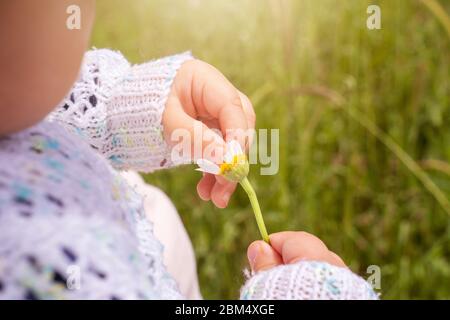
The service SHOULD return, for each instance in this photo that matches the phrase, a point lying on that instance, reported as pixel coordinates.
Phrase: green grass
(364, 119)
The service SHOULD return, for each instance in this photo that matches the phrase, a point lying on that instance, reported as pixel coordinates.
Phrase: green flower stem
(256, 209)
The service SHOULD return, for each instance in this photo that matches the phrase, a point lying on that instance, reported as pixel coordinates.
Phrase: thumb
(262, 256)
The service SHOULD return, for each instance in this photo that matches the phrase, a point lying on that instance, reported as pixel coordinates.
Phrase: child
(70, 227)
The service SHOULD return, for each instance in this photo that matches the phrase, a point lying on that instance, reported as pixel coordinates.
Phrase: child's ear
(40, 57)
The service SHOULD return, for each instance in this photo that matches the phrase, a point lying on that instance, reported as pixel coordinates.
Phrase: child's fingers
(205, 186)
(337, 260)
(215, 188)
(250, 115)
(244, 137)
(213, 96)
(223, 102)
(278, 239)
(180, 127)
(201, 92)
(261, 256)
(221, 192)
(296, 246)
(304, 248)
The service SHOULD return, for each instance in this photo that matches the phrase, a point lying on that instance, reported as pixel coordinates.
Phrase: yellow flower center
(224, 167)
(237, 160)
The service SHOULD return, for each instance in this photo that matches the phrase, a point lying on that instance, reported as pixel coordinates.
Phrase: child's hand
(201, 95)
(289, 247)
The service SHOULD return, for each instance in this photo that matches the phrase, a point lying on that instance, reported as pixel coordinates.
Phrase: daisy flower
(235, 168)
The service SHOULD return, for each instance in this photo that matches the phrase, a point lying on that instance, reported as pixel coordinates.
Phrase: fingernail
(226, 197)
(204, 197)
(252, 254)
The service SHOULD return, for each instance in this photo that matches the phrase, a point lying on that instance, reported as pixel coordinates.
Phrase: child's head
(39, 58)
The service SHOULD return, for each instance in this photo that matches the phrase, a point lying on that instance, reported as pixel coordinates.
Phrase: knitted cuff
(307, 280)
(118, 108)
(139, 141)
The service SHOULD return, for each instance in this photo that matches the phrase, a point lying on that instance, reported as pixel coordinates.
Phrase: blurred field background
(364, 119)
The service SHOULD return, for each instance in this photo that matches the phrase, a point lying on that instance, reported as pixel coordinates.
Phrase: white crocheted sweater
(71, 228)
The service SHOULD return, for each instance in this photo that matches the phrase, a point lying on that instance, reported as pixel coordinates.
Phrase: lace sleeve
(117, 108)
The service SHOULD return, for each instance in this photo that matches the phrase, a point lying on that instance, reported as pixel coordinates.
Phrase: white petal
(228, 157)
(235, 147)
(207, 166)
